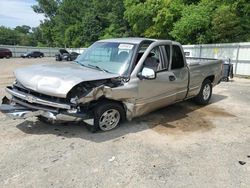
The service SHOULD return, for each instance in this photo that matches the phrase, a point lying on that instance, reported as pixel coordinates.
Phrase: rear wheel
(107, 116)
(205, 93)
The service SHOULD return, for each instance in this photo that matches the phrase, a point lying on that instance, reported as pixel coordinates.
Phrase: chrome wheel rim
(109, 119)
(206, 92)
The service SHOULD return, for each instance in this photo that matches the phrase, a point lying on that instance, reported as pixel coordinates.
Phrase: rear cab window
(177, 58)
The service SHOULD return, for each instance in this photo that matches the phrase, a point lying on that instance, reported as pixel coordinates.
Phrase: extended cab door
(179, 69)
(159, 91)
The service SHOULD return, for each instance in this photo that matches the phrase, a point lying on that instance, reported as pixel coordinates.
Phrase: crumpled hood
(57, 79)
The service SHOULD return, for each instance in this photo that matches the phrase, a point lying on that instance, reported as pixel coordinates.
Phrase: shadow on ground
(178, 118)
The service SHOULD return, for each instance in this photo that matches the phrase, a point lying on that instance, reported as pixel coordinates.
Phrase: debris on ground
(112, 159)
(242, 162)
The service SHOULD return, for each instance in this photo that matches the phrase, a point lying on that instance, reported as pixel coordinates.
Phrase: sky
(18, 12)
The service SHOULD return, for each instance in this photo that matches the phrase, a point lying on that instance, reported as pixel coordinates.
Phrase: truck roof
(132, 40)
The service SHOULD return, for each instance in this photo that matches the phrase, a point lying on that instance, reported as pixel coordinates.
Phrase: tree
(152, 18)
(47, 7)
(75, 23)
(25, 29)
(194, 25)
(78, 23)
(226, 25)
(9, 36)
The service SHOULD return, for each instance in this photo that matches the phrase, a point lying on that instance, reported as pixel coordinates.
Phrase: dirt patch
(184, 117)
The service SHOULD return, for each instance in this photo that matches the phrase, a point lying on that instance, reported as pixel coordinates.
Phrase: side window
(141, 51)
(153, 60)
(177, 58)
(167, 49)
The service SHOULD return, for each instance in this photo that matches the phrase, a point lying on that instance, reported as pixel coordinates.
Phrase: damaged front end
(22, 103)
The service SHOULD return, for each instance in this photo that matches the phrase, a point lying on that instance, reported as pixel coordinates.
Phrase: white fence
(239, 54)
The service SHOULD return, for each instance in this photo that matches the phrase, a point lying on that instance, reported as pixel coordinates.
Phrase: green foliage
(78, 23)
(193, 27)
(75, 23)
(226, 25)
(23, 29)
(152, 18)
(47, 7)
(213, 21)
(21, 35)
(9, 36)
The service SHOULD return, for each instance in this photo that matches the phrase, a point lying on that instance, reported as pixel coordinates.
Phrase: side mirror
(147, 73)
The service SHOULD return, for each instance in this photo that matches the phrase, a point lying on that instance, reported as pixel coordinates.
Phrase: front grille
(31, 99)
(21, 88)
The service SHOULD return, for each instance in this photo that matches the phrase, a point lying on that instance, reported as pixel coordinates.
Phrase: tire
(225, 79)
(205, 93)
(58, 59)
(43, 120)
(107, 116)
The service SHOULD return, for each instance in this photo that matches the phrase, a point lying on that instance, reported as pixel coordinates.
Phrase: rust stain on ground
(184, 117)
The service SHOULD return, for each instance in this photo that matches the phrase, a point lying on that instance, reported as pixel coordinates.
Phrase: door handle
(172, 78)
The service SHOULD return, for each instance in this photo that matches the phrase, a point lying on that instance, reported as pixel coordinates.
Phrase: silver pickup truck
(112, 80)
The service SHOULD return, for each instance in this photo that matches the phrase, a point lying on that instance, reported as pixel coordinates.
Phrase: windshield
(111, 57)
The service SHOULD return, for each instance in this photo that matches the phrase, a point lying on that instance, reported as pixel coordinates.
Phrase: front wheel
(107, 116)
(205, 93)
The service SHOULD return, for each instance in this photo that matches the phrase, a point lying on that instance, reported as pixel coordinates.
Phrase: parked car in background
(74, 55)
(34, 54)
(4, 52)
(65, 55)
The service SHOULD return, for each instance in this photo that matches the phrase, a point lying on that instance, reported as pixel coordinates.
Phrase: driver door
(160, 91)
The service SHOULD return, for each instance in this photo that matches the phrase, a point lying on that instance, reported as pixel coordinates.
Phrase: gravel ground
(183, 145)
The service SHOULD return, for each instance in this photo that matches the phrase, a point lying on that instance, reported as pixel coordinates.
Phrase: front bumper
(17, 112)
(24, 104)
(20, 112)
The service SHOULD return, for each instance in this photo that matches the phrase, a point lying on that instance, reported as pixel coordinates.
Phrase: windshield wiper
(99, 68)
(93, 66)
(81, 64)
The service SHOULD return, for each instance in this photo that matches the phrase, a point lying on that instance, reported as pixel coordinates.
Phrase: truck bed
(201, 68)
(197, 60)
